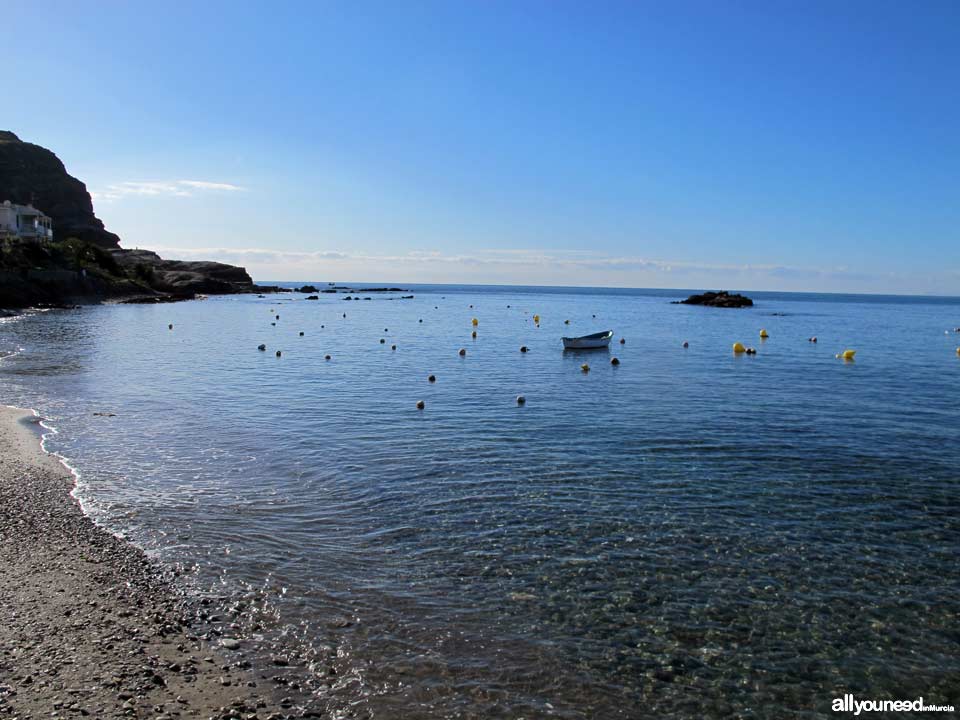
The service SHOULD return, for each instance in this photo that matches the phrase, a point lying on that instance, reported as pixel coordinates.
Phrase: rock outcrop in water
(85, 263)
(721, 299)
(30, 174)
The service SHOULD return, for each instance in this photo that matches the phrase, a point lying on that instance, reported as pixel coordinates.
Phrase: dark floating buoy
(508, 306)
(523, 348)
(301, 333)
(463, 351)
(473, 334)
(170, 326)
(420, 404)
(344, 314)
(751, 351)
(431, 378)
(261, 347)
(594, 314)
(322, 327)
(421, 319)
(382, 341)
(393, 347)
(278, 353)
(623, 341)
(614, 361)
(812, 339)
(386, 330)
(686, 344)
(274, 324)
(278, 317)
(326, 357)
(521, 400)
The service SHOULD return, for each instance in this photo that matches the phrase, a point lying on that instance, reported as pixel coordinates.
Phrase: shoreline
(93, 627)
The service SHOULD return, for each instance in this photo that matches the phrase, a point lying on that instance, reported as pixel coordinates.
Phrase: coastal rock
(717, 299)
(84, 263)
(30, 174)
(180, 277)
(307, 289)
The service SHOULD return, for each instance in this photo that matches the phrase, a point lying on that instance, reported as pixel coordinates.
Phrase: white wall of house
(24, 221)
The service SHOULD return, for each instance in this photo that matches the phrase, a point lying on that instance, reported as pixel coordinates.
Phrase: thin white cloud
(205, 185)
(165, 188)
(519, 259)
(559, 267)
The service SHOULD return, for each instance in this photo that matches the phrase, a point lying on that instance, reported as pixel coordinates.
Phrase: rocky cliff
(85, 262)
(32, 174)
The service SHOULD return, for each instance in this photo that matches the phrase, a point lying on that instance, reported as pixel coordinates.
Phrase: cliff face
(85, 263)
(32, 174)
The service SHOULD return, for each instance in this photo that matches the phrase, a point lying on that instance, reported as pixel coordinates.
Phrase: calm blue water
(689, 534)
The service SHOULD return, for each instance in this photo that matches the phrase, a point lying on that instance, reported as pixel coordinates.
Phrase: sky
(720, 144)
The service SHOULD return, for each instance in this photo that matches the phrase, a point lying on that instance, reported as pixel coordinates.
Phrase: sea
(690, 533)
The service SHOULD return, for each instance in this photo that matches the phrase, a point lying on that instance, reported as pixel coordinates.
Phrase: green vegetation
(70, 254)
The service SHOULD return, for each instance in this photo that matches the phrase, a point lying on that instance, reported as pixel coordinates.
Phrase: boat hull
(597, 341)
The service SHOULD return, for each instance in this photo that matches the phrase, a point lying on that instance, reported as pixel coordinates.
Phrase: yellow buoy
(848, 354)
(585, 367)
(958, 351)
(739, 348)
(536, 319)
(764, 334)
(475, 322)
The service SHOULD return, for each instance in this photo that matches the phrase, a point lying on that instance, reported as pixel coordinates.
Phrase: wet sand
(90, 626)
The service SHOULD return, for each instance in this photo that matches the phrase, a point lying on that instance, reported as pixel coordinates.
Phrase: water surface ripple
(690, 534)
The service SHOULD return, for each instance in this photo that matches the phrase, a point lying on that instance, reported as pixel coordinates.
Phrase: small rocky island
(721, 299)
(83, 262)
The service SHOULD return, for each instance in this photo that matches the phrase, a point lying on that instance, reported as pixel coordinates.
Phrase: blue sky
(755, 145)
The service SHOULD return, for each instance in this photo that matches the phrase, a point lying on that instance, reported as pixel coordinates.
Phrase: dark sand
(90, 627)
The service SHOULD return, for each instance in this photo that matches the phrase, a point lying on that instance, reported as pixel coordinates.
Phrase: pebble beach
(94, 628)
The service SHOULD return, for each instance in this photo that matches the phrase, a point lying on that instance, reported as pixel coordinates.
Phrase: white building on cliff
(24, 222)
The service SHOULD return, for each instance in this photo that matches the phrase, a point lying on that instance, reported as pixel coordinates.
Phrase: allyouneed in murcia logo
(848, 703)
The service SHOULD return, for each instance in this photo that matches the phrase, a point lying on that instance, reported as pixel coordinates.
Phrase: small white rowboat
(588, 342)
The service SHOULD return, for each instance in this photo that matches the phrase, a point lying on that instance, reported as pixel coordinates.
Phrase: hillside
(85, 263)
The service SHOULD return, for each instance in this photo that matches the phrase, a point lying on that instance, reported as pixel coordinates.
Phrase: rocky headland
(85, 263)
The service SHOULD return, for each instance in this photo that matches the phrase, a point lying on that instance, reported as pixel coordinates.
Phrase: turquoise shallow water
(689, 534)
